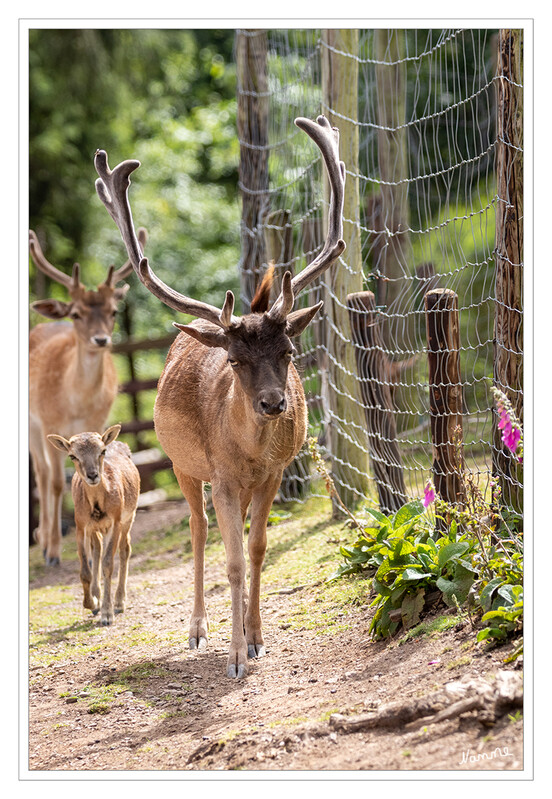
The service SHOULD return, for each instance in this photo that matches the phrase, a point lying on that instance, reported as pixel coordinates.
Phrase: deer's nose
(101, 341)
(274, 407)
(93, 475)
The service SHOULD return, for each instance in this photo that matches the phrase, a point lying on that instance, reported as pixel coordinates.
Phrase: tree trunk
(251, 53)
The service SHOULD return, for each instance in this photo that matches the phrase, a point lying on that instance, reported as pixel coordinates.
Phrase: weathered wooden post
(340, 105)
(508, 332)
(252, 80)
(390, 74)
(445, 393)
(278, 242)
(375, 383)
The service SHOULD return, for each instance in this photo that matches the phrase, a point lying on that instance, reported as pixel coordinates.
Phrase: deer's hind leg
(192, 489)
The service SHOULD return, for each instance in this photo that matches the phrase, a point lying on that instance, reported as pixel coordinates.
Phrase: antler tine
(112, 187)
(327, 140)
(45, 266)
(126, 269)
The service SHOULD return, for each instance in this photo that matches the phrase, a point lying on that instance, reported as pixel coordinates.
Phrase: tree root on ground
(490, 699)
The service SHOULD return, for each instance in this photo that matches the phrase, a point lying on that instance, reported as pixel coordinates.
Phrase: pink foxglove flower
(508, 423)
(429, 494)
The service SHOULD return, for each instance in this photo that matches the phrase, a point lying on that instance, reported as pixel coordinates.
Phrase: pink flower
(511, 430)
(429, 494)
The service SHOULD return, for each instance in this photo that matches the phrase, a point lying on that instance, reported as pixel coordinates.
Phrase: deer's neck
(89, 367)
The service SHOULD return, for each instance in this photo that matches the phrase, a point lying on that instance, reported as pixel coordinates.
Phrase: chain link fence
(423, 311)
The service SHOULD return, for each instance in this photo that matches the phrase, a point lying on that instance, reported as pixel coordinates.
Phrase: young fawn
(105, 489)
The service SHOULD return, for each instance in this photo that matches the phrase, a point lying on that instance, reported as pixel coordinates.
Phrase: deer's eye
(72, 457)
(102, 453)
(75, 315)
(233, 363)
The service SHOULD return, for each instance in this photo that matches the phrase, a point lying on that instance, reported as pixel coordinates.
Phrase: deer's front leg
(110, 544)
(193, 492)
(260, 509)
(229, 516)
(89, 601)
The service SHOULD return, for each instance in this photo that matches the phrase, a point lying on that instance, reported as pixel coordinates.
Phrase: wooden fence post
(340, 105)
(375, 384)
(445, 393)
(508, 332)
(252, 122)
(390, 74)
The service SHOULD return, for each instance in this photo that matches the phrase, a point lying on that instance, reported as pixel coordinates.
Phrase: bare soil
(133, 697)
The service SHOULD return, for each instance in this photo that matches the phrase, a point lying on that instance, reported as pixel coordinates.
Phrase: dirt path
(133, 697)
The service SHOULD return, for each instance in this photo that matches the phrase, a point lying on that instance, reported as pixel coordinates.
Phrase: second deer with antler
(230, 408)
(72, 378)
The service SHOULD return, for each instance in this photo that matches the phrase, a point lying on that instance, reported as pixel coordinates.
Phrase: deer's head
(259, 345)
(92, 312)
(87, 451)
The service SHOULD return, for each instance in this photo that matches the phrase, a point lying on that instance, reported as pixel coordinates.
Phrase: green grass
(302, 553)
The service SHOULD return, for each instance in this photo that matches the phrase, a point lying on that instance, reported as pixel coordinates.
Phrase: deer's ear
(111, 434)
(52, 309)
(297, 321)
(59, 442)
(121, 291)
(210, 338)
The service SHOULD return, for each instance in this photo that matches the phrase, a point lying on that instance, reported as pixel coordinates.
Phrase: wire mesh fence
(430, 135)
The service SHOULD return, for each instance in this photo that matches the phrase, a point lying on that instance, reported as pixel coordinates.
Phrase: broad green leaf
(452, 550)
(486, 596)
(510, 593)
(379, 516)
(411, 607)
(411, 573)
(459, 586)
(409, 511)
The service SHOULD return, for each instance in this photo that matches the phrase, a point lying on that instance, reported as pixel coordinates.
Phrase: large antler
(115, 275)
(112, 187)
(71, 282)
(327, 140)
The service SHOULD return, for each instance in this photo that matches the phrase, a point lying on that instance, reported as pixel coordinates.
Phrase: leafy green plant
(405, 561)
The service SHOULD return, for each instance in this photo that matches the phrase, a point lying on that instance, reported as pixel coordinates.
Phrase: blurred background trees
(165, 97)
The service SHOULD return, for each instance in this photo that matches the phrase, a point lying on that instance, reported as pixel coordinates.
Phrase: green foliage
(405, 562)
(474, 558)
(165, 97)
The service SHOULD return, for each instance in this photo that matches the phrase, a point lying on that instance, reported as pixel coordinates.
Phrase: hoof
(238, 673)
(256, 651)
(52, 561)
(195, 644)
(106, 622)
(119, 610)
(95, 611)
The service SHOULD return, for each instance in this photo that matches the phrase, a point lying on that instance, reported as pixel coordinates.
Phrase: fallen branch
(493, 699)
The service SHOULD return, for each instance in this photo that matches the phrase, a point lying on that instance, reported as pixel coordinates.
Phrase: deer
(72, 378)
(105, 489)
(230, 407)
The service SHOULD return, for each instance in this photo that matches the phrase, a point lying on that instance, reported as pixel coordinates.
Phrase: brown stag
(72, 379)
(230, 407)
